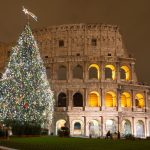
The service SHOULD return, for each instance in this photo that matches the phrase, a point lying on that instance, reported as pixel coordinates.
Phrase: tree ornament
(26, 105)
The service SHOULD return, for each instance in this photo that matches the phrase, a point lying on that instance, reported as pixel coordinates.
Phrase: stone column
(71, 127)
(117, 72)
(146, 127)
(69, 73)
(119, 123)
(69, 93)
(133, 101)
(85, 97)
(84, 71)
(102, 129)
(118, 99)
(85, 131)
(102, 72)
(146, 101)
(103, 126)
(133, 126)
(132, 72)
(103, 99)
(87, 126)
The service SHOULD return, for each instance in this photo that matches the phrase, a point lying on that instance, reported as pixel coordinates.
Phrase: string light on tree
(24, 87)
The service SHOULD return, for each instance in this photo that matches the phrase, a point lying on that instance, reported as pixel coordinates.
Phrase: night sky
(132, 16)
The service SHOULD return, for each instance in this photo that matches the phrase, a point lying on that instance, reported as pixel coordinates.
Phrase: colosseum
(94, 80)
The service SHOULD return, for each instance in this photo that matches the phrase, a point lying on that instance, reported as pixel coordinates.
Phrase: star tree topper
(28, 13)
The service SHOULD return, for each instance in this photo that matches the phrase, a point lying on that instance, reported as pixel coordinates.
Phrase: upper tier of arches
(109, 72)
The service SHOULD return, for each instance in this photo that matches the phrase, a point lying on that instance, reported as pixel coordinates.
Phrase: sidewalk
(6, 148)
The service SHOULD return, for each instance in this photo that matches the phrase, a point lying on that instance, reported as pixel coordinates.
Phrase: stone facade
(94, 80)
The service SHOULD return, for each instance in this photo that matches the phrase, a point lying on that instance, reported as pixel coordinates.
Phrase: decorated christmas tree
(25, 94)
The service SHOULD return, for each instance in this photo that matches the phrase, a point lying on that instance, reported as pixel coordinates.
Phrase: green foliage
(25, 94)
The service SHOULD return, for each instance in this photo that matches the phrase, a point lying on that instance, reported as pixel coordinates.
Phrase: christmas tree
(25, 94)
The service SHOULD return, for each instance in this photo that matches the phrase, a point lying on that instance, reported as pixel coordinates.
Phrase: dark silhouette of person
(108, 135)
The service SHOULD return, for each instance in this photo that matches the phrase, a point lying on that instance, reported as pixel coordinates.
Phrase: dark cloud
(131, 15)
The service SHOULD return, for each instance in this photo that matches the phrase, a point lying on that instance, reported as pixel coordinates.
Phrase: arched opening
(62, 100)
(94, 129)
(126, 127)
(94, 71)
(110, 126)
(77, 100)
(139, 100)
(77, 128)
(60, 123)
(110, 72)
(124, 73)
(62, 73)
(125, 99)
(48, 72)
(110, 99)
(94, 99)
(78, 72)
(140, 129)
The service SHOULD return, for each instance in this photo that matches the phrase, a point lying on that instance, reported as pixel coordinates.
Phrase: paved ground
(6, 148)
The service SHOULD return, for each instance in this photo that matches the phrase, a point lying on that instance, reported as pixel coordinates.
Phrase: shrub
(148, 137)
(129, 137)
(24, 128)
(44, 131)
(64, 132)
(2, 133)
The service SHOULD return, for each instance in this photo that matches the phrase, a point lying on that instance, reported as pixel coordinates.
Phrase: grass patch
(57, 143)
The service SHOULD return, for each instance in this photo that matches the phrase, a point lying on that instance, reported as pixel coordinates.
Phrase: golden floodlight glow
(94, 99)
(127, 72)
(97, 68)
(110, 99)
(113, 70)
(125, 99)
(140, 99)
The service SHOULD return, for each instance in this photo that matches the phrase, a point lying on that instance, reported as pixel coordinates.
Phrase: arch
(94, 128)
(125, 73)
(110, 72)
(94, 72)
(62, 100)
(139, 100)
(77, 127)
(62, 73)
(125, 99)
(60, 123)
(77, 100)
(140, 129)
(111, 125)
(48, 73)
(110, 99)
(94, 99)
(126, 124)
(78, 72)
